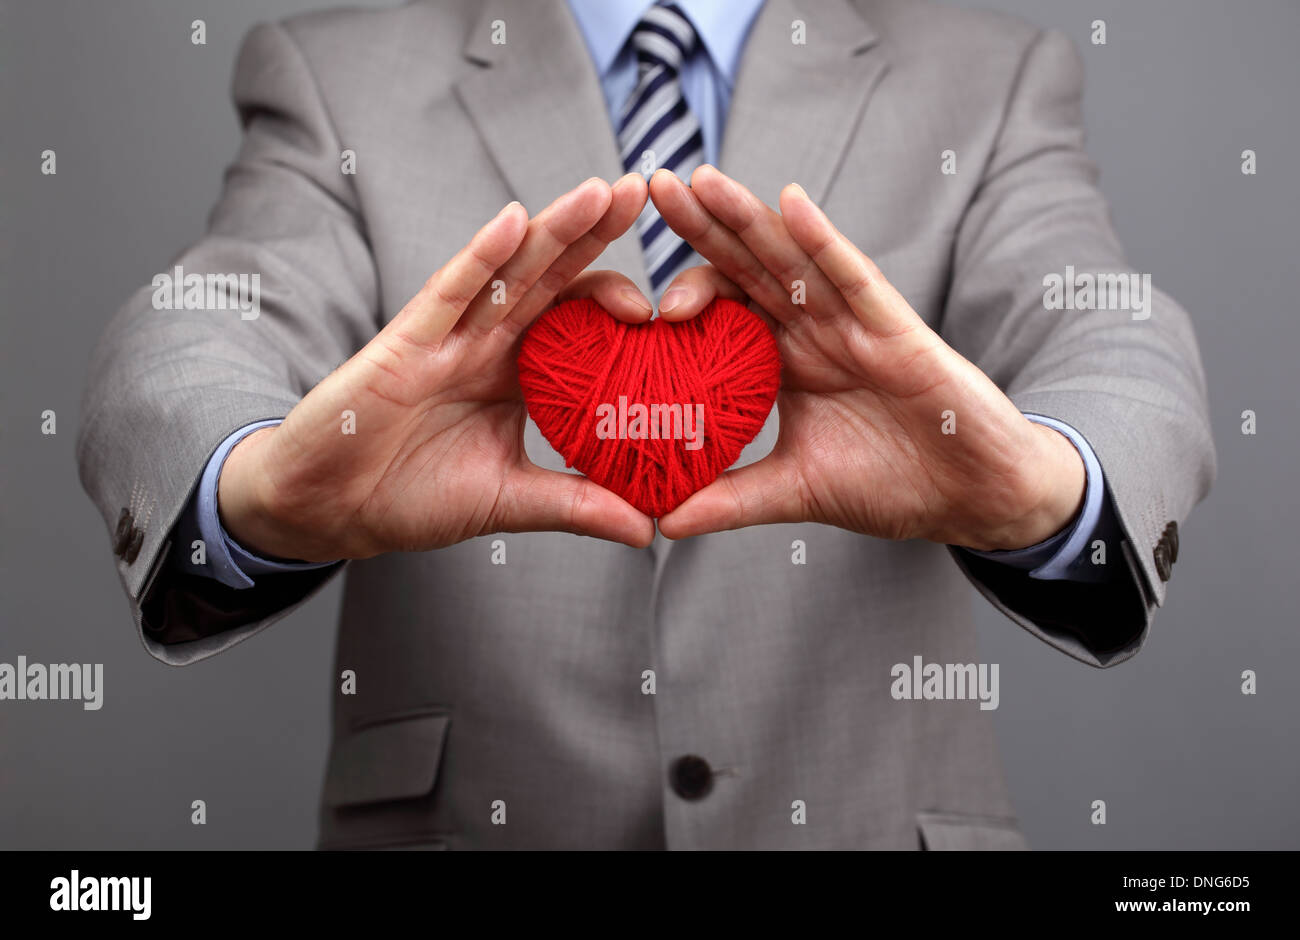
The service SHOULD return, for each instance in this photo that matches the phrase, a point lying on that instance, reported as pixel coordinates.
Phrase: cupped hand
(884, 428)
(433, 451)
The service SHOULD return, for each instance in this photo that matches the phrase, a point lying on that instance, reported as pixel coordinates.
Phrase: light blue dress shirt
(707, 76)
(707, 81)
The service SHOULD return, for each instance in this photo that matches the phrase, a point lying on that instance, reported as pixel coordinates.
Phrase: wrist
(249, 509)
(1055, 486)
(1062, 479)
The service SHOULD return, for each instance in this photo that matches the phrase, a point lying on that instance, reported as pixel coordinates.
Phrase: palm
(399, 433)
(856, 408)
(416, 442)
(885, 429)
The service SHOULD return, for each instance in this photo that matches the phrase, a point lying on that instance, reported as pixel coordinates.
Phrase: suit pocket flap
(389, 759)
(942, 832)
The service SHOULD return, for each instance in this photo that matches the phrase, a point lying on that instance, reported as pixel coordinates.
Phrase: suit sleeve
(1129, 380)
(167, 386)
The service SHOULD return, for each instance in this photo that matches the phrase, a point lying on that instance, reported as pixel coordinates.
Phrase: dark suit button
(1171, 536)
(1162, 560)
(691, 777)
(122, 535)
(133, 548)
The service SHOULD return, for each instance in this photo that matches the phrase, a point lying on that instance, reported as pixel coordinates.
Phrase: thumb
(537, 500)
(764, 492)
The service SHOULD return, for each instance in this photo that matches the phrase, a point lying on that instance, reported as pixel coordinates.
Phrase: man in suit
(725, 682)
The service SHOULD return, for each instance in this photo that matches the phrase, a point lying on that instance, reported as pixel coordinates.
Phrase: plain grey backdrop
(142, 126)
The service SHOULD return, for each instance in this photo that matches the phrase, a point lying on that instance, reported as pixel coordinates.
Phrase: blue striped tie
(657, 130)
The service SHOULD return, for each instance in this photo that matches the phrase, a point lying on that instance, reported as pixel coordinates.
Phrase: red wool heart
(652, 412)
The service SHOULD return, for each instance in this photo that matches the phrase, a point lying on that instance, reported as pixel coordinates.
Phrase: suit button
(122, 534)
(1162, 559)
(133, 547)
(1171, 536)
(691, 777)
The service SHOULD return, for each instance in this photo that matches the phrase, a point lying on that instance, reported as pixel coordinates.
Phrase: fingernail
(507, 206)
(802, 191)
(636, 297)
(673, 299)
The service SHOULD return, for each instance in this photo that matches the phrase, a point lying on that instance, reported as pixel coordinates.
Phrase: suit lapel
(537, 104)
(795, 106)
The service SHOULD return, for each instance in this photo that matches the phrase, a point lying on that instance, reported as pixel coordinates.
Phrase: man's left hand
(884, 428)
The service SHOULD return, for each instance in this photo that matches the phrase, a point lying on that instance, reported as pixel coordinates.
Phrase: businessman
(890, 183)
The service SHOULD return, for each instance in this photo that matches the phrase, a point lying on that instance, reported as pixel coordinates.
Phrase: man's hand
(868, 391)
(437, 455)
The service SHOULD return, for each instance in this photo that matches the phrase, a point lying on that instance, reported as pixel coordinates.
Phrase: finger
(537, 500)
(686, 216)
(694, 289)
(550, 232)
(614, 292)
(764, 233)
(430, 315)
(764, 492)
(627, 199)
(873, 300)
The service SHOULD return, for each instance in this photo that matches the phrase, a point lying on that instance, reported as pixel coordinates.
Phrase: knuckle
(485, 264)
(577, 504)
(746, 216)
(737, 499)
(749, 279)
(562, 231)
(515, 286)
(862, 285)
(822, 245)
(696, 224)
(553, 280)
(794, 269)
(450, 298)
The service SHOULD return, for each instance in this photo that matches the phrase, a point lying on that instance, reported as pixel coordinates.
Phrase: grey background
(142, 126)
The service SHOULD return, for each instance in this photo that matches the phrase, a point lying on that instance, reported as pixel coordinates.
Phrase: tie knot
(663, 37)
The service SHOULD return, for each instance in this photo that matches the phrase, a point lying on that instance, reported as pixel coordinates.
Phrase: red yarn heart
(583, 372)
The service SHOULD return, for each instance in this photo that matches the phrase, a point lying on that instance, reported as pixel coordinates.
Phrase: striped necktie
(657, 130)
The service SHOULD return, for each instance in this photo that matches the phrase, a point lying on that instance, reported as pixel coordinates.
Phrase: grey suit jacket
(520, 691)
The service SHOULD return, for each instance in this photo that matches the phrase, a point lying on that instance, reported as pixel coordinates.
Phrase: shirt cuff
(226, 560)
(1052, 558)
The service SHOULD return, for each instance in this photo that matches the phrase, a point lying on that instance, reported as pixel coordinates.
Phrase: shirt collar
(722, 27)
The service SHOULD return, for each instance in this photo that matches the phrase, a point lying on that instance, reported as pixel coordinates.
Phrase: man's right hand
(437, 455)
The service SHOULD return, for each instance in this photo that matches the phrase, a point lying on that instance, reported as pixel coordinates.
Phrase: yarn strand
(576, 360)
